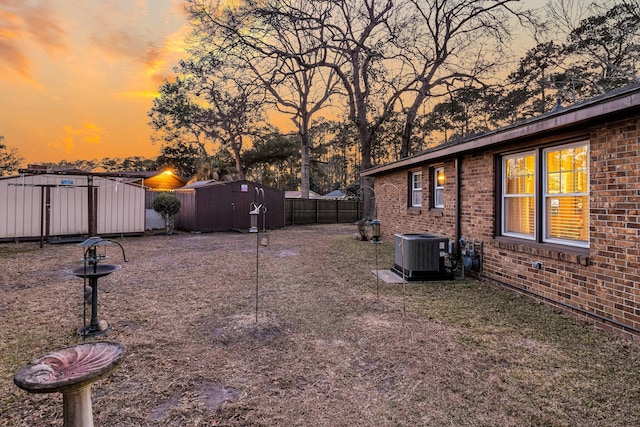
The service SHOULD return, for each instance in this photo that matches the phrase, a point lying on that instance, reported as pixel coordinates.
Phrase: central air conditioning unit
(421, 257)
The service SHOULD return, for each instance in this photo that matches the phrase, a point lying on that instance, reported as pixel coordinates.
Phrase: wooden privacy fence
(308, 211)
(318, 211)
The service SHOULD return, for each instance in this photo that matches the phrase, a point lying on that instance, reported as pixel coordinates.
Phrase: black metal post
(377, 274)
(90, 208)
(94, 326)
(42, 214)
(257, 269)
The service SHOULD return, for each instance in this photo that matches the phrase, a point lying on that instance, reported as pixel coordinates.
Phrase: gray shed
(224, 205)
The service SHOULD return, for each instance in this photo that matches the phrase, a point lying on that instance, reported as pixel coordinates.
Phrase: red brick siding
(478, 197)
(614, 230)
(397, 217)
(605, 283)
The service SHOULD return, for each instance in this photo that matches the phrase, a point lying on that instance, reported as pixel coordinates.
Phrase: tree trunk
(304, 169)
(366, 182)
(411, 114)
(236, 155)
(407, 132)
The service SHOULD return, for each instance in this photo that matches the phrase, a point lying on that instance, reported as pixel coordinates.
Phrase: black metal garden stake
(255, 207)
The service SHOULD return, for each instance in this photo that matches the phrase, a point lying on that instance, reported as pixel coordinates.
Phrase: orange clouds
(119, 43)
(22, 24)
(41, 24)
(11, 58)
(128, 35)
(77, 77)
(78, 139)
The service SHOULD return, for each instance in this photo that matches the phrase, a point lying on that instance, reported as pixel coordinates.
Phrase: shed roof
(335, 194)
(45, 178)
(609, 104)
(298, 195)
(216, 183)
(158, 180)
(197, 184)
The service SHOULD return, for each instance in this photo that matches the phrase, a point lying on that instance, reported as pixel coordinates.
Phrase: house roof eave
(571, 116)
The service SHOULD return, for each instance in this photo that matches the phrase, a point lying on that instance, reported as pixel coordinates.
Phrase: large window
(558, 211)
(416, 188)
(438, 187)
(566, 195)
(519, 217)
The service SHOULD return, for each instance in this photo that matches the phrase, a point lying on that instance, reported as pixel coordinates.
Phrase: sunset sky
(77, 77)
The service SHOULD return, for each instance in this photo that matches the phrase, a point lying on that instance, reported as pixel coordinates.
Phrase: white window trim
(540, 197)
(545, 195)
(416, 203)
(504, 196)
(437, 187)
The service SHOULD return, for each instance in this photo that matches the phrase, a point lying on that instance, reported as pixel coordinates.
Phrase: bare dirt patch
(324, 351)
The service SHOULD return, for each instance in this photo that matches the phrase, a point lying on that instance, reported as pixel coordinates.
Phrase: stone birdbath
(71, 371)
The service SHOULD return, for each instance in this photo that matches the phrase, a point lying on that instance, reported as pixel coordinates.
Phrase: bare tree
(393, 55)
(250, 38)
(457, 41)
(346, 37)
(389, 55)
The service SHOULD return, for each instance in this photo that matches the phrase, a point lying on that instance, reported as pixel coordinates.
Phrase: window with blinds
(519, 186)
(566, 196)
(563, 204)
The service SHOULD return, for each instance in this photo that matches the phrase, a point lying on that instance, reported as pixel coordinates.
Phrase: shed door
(242, 199)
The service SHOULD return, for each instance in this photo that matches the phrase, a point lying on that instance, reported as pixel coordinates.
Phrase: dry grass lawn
(325, 350)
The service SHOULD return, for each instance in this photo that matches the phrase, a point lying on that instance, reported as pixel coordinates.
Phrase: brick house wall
(600, 284)
(392, 200)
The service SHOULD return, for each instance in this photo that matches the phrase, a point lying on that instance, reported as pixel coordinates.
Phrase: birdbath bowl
(95, 271)
(71, 371)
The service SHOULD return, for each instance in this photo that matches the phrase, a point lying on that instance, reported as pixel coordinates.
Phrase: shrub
(167, 205)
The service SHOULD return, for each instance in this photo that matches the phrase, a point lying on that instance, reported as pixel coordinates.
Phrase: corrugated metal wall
(186, 217)
(119, 206)
(69, 210)
(19, 208)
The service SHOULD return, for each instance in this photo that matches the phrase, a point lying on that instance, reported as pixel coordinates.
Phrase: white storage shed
(37, 206)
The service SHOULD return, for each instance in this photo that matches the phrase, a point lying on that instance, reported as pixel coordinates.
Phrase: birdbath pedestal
(71, 371)
(92, 273)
